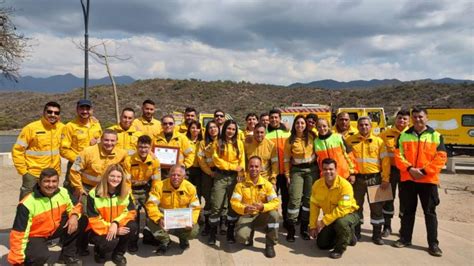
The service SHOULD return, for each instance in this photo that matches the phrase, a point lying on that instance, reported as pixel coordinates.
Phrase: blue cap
(84, 102)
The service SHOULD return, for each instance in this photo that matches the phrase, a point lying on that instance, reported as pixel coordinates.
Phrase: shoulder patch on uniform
(346, 197)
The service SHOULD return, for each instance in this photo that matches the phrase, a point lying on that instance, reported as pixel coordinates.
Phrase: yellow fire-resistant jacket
(195, 145)
(37, 147)
(204, 157)
(127, 139)
(142, 171)
(228, 159)
(76, 137)
(182, 128)
(350, 132)
(186, 151)
(336, 202)
(390, 137)
(91, 164)
(298, 153)
(267, 152)
(151, 129)
(247, 193)
(370, 154)
(164, 196)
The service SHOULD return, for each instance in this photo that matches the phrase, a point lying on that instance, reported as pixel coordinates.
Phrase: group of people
(233, 175)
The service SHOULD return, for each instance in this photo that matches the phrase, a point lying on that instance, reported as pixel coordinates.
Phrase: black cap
(84, 102)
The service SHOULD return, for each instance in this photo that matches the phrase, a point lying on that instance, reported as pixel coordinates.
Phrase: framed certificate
(168, 156)
(178, 218)
(376, 194)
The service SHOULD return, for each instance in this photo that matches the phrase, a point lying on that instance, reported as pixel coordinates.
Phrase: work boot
(70, 261)
(377, 235)
(119, 259)
(357, 232)
(387, 228)
(212, 235)
(290, 236)
(183, 243)
(269, 251)
(230, 233)
(99, 257)
(249, 243)
(223, 225)
(207, 227)
(336, 254)
(401, 243)
(434, 250)
(353, 241)
(149, 239)
(133, 246)
(304, 230)
(162, 248)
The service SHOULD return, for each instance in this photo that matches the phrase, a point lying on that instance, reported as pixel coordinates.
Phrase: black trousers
(428, 194)
(118, 245)
(37, 253)
(282, 189)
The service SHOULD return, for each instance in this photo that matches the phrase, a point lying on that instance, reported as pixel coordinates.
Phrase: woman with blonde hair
(111, 215)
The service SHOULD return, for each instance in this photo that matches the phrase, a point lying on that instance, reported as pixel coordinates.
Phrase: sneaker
(434, 250)
(119, 259)
(269, 251)
(335, 254)
(400, 243)
(183, 243)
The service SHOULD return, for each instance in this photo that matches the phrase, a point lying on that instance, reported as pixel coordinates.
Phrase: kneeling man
(334, 195)
(172, 193)
(257, 203)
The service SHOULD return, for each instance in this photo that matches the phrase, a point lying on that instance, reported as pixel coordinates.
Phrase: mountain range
(359, 84)
(57, 83)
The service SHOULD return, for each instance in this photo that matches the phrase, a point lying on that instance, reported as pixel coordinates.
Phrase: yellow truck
(289, 113)
(376, 114)
(457, 128)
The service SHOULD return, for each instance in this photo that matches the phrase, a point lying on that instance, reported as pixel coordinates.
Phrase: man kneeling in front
(172, 193)
(334, 195)
(257, 203)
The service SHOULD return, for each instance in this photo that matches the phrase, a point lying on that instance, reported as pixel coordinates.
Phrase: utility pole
(85, 11)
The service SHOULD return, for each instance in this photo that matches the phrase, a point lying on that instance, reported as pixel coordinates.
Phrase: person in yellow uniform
(229, 159)
(264, 119)
(172, 193)
(257, 203)
(390, 137)
(343, 125)
(300, 173)
(143, 170)
(80, 133)
(147, 123)
(190, 115)
(37, 147)
(194, 135)
(373, 168)
(334, 195)
(204, 157)
(311, 121)
(170, 138)
(127, 134)
(251, 121)
(265, 149)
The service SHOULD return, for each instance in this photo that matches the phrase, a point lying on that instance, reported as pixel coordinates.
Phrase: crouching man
(45, 214)
(334, 195)
(257, 204)
(173, 193)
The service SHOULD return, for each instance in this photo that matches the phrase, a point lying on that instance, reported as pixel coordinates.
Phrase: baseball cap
(84, 102)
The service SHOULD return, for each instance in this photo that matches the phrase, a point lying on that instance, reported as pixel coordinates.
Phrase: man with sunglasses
(37, 147)
(219, 117)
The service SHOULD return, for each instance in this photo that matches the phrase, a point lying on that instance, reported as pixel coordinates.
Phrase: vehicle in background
(289, 113)
(376, 114)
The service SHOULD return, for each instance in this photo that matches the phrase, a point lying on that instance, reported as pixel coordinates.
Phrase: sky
(274, 42)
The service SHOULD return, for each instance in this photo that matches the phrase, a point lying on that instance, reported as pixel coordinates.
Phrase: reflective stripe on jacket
(127, 139)
(248, 193)
(333, 146)
(228, 158)
(267, 152)
(138, 170)
(76, 137)
(279, 136)
(390, 138)
(186, 151)
(298, 152)
(204, 157)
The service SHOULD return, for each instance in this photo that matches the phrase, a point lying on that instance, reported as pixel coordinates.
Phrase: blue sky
(277, 42)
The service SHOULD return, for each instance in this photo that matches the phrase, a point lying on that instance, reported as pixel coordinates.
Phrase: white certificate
(168, 156)
(178, 218)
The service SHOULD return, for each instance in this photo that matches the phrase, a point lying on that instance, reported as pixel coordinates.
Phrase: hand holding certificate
(178, 218)
(376, 194)
(168, 156)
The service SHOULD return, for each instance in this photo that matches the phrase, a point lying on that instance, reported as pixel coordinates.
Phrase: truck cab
(376, 114)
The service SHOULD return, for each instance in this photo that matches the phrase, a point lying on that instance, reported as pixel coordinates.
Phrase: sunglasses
(168, 124)
(50, 112)
(218, 115)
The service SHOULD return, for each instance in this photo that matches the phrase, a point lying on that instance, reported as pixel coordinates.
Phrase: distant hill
(357, 84)
(235, 98)
(56, 84)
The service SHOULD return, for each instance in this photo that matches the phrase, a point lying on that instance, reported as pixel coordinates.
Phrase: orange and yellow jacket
(151, 129)
(247, 193)
(164, 196)
(228, 159)
(77, 136)
(336, 201)
(37, 147)
(350, 132)
(298, 152)
(142, 171)
(103, 211)
(127, 139)
(38, 216)
(204, 157)
(370, 155)
(425, 150)
(267, 152)
(186, 151)
(91, 164)
(390, 138)
(333, 146)
(278, 136)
